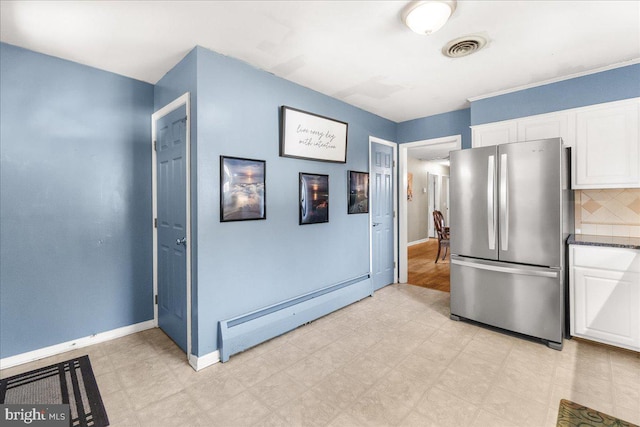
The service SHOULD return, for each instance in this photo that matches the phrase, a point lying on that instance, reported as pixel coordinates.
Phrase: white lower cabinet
(605, 295)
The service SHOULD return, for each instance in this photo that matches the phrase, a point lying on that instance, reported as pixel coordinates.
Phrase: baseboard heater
(248, 330)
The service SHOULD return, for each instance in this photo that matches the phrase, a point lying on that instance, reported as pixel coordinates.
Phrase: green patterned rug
(571, 414)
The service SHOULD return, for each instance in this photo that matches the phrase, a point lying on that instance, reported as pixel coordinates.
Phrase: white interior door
(382, 215)
(432, 193)
(444, 198)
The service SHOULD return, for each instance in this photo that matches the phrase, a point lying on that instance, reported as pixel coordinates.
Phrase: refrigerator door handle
(510, 270)
(491, 215)
(504, 203)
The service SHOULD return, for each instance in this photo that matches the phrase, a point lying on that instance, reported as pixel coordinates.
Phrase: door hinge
(156, 299)
(394, 264)
(155, 222)
(394, 163)
(155, 145)
(394, 214)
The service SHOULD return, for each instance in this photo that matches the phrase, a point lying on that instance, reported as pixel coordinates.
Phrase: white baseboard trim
(53, 350)
(417, 242)
(202, 362)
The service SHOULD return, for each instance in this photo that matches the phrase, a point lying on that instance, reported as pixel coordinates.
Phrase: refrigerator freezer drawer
(518, 298)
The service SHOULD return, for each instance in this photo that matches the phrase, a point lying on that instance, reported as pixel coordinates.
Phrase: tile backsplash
(610, 212)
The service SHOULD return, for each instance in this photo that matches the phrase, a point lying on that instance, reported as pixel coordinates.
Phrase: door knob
(182, 241)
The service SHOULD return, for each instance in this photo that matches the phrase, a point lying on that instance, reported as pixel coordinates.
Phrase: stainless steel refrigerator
(511, 211)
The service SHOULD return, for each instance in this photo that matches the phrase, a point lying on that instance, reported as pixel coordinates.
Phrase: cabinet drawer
(606, 258)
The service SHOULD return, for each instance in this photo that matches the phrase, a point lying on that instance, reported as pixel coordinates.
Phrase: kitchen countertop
(609, 241)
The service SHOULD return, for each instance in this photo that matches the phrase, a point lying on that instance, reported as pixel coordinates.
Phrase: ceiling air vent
(464, 46)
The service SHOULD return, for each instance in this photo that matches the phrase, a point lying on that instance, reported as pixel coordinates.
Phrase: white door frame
(453, 142)
(178, 102)
(432, 203)
(394, 146)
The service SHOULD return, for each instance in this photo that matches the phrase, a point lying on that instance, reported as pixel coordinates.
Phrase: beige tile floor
(393, 359)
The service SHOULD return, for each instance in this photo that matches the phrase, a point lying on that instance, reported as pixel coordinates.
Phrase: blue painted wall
(437, 126)
(242, 266)
(75, 201)
(612, 85)
(607, 86)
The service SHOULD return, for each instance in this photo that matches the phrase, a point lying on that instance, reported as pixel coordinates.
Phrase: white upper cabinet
(605, 140)
(607, 154)
(495, 133)
(546, 126)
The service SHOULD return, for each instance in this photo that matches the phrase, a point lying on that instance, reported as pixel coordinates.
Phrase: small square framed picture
(358, 192)
(242, 189)
(314, 198)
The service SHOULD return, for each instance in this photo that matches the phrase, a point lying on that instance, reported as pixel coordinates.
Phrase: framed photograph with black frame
(358, 192)
(242, 189)
(314, 198)
(309, 136)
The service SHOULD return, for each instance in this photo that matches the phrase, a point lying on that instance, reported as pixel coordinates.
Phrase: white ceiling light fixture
(427, 17)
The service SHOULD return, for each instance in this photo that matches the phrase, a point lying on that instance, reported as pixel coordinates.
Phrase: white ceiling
(356, 51)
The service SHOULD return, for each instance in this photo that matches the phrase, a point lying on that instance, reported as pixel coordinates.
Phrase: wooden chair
(443, 234)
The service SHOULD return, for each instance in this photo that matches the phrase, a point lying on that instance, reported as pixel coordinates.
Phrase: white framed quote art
(310, 136)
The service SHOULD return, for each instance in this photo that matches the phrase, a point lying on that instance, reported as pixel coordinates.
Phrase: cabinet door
(606, 306)
(545, 126)
(495, 134)
(607, 151)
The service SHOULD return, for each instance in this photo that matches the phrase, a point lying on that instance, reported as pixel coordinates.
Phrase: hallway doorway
(415, 219)
(423, 271)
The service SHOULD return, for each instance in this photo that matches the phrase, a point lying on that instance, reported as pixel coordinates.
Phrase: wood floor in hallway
(422, 269)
